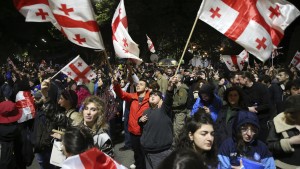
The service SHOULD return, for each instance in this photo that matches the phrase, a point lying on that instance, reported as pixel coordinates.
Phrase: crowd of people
(193, 118)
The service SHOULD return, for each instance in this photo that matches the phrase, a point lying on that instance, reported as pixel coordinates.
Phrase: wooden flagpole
(188, 41)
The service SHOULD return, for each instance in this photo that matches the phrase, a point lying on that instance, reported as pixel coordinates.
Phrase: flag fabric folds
(150, 45)
(236, 62)
(91, 159)
(124, 46)
(78, 70)
(296, 60)
(25, 105)
(256, 25)
(75, 19)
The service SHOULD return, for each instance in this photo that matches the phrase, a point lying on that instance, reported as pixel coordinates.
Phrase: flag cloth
(256, 25)
(150, 45)
(296, 60)
(124, 46)
(78, 70)
(74, 19)
(91, 159)
(25, 105)
(236, 62)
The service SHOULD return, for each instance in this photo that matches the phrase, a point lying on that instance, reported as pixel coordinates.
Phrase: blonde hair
(101, 122)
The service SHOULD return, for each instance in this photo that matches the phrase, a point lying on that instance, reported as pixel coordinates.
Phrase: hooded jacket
(255, 150)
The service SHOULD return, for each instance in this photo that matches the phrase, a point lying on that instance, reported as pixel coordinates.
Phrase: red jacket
(136, 109)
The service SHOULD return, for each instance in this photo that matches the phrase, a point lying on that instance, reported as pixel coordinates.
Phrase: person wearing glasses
(244, 146)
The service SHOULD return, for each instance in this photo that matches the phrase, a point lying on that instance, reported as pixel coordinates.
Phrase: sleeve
(269, 163)
(168, 102)
(135, 78)
(276, 144)
(182, 93)
(122, 94)
(103, 142)
(224, 155)
(265, 100)
(195, 107)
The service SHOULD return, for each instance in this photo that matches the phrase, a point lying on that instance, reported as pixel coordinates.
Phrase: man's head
(246, 78)
(158, 71)
(293, 87)
(169, 72)
(142, 86)
(283, 76)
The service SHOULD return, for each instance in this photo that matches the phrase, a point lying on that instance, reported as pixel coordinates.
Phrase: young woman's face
(90, 113)
(233, 97)
(248, 131)
(63, 102)
(203, 137)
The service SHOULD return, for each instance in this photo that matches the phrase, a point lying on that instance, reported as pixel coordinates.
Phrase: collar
(280, 125)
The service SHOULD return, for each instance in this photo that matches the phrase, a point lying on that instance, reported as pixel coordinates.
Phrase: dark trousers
(139, 156)
(126, 132)
(154, 159)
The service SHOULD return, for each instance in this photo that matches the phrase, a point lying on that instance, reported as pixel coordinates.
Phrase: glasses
(245, 130)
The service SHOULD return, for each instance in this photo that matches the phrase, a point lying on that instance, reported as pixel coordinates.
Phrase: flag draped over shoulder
(236, 62)
(78, 70)
(296, 60)
(25, 105)
(124, 46)
(91, 159)
(75, 19)
(257, 25)
(150, 44)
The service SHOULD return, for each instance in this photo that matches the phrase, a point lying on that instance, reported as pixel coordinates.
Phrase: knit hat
(292, 104)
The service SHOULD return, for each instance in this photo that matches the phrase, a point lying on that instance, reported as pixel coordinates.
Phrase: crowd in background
(197, 117)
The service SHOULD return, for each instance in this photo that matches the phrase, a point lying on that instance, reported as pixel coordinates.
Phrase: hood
(8, 112)
(244, 117)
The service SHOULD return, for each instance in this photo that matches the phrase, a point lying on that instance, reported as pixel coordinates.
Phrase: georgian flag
(296, 60)
(75, 19)
(78, 70)
(25, 105)
(236, 62)
(150, 44)
(124, 46)
(256, 25)
(91, 159)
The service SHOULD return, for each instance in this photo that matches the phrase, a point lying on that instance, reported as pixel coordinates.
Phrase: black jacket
(279, 144)
(157, 131)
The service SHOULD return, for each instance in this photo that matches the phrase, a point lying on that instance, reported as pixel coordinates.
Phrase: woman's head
(94, 115)
(200, 131)
(233, 96)
(182, 159)
(68, 99)
(76, 140)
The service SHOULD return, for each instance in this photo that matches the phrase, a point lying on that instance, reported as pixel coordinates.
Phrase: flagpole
(188, 41)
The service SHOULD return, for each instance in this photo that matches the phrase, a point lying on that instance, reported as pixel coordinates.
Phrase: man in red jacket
(139, 103)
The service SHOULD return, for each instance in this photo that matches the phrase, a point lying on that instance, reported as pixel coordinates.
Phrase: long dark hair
(193, 124)
(241, 103)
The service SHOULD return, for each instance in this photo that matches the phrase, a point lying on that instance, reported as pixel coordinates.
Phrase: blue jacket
(255, 150)
(214, 107)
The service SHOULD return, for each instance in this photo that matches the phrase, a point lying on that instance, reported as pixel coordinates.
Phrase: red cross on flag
(75, 19)
(25, 105)
(78, 70)
(257, 25)
(296, 60)
(124, 46)
(150, 44)
(236, 62)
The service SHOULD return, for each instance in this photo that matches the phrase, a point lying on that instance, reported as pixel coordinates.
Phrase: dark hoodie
(255, 150)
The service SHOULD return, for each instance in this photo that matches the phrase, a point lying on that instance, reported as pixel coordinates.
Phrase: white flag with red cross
(91, 159)
(150, 45)
(124, 46)
(75, 19)
(25, 105)
(236, 62)
(78, 70)
(296, 60)
(256, 25)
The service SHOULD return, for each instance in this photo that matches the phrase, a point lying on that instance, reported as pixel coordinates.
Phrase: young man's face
(154, 99)
(295, 90)
(282, 77)
(141, 86)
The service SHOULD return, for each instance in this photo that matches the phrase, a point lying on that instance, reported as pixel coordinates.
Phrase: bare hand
(144, 118)
(56, 135)
(206, 109)
(294, 140)
(253, 109)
